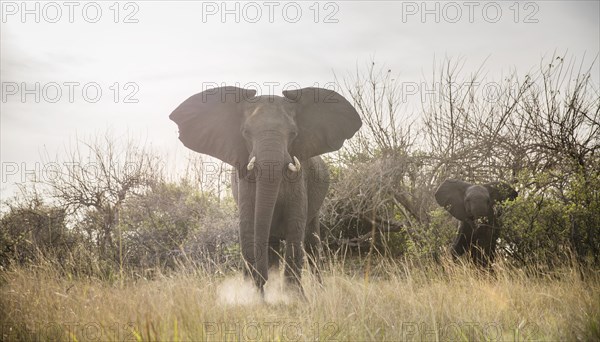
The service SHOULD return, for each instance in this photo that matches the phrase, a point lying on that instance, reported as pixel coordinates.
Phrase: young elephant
(274, 143)
(473, 206)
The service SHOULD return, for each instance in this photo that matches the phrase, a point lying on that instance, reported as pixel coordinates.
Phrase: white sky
(175, 48)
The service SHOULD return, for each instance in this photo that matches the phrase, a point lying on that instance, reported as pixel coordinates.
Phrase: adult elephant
(473, 205)
(274, 144)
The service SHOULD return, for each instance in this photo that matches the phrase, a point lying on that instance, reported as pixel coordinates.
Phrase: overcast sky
(158, 53)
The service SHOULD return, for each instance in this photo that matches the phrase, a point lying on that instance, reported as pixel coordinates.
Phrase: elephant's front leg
(294, 252)
(275, 253)
(313, 246)
(295, 228)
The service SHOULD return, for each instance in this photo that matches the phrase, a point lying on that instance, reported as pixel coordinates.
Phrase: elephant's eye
(245, 133)
(293, 135)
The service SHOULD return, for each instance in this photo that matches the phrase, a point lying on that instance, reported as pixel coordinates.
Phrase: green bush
(31, 229)
(553, 219)
(174, 222)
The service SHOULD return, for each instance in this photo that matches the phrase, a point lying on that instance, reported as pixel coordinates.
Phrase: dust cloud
(239, 291)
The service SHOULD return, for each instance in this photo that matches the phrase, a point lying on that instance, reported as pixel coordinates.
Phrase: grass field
(393, 301)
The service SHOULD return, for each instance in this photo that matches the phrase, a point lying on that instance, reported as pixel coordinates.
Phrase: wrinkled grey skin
(473, 206)
(310, 190)
(275, 202)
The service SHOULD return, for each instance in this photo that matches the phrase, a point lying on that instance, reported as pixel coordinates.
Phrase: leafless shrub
(387, 129)
(380, 186)
(94, 181)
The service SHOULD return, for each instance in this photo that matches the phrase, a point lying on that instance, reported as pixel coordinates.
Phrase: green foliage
(434, 238)
(31, 229)
(168, 224)
(175, 221)
(534, 228)
(554, 218)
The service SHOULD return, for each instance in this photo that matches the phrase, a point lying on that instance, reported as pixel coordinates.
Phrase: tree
(97, 177)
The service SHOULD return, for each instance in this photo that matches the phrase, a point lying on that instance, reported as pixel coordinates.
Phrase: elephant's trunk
(271, 162)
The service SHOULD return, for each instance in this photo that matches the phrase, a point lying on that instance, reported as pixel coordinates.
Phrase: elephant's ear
(210, 122)
(451, 196)
(324, 119)
(500, 191)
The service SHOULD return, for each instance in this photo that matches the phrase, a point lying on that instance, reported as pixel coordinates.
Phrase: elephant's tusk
(251, 164)
(295, 166)
(297, 163)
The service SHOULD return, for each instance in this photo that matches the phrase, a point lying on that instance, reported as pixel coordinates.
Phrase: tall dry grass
(394, 300)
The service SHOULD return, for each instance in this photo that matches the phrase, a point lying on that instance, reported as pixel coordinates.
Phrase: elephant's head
(466, 201)
(242, 130)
